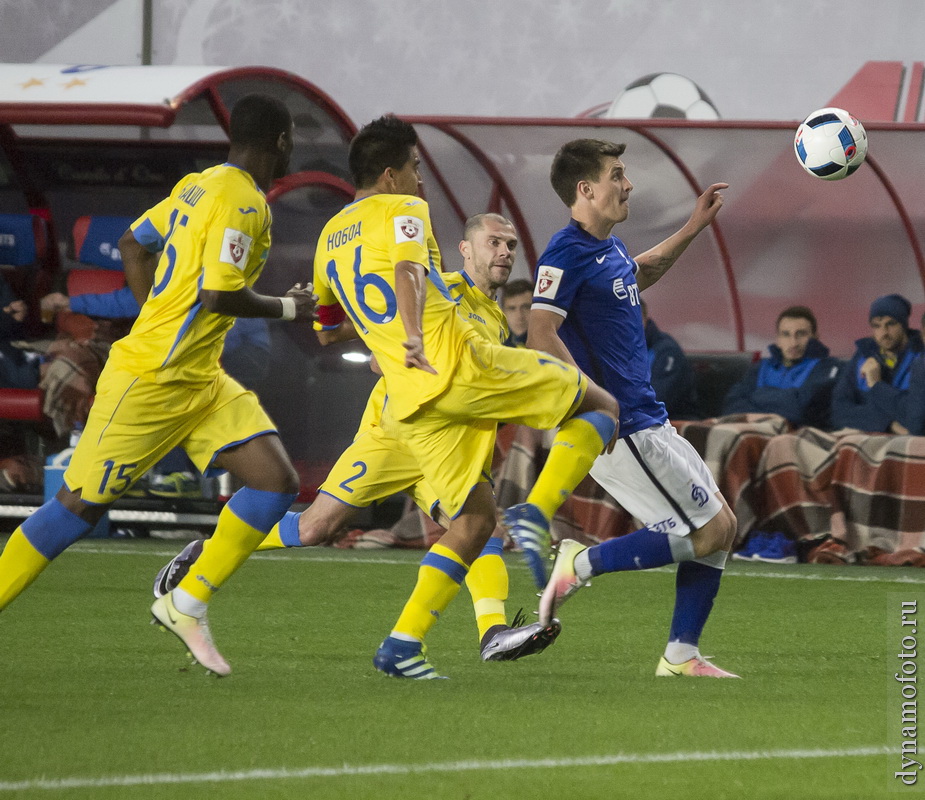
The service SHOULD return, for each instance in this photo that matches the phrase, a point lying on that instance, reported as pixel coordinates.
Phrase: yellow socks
(487, 582)
(439, 577)
(576, 445)
(20, 564)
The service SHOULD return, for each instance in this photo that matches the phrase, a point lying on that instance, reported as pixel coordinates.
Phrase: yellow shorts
(374, 467)
(134, 423)
(377, 466)
(452, 437)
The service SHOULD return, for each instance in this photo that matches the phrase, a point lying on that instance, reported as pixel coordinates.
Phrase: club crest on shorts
(699, 495)
(409, 229)
(236, 247)
(547, 282)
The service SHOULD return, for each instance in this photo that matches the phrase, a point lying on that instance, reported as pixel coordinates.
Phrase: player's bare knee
(88, 512)
(281, 477)
(716, 535)
(292, 484)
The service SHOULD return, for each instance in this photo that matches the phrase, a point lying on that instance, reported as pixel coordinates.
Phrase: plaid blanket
(868, 490)
(865, 489)
(732, 447)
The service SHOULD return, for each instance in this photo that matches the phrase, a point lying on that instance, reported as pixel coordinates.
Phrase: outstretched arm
(657, 261)
(298, 303)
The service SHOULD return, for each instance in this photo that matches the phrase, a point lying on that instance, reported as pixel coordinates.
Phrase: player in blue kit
(586, 311)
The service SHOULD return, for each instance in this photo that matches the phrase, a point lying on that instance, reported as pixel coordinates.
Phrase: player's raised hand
(708, 205)
(414, 355)
(305, 301)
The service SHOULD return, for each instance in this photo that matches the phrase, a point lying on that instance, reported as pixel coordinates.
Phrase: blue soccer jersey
(592, 284)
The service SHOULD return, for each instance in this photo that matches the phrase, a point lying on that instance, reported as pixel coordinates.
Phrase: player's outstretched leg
(36, 543)
(487, 582)
(242, 524)
(701, 556)
(576, 445)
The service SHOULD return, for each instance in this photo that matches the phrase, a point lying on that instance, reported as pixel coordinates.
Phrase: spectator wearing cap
(795, 380)
(870, 395)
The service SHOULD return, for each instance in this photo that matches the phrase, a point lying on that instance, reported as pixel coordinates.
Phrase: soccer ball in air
(662, 94)
(830, 144)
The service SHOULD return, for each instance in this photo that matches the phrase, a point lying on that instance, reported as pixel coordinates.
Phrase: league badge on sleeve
(409, 229)
(547, 282)
(236, 247)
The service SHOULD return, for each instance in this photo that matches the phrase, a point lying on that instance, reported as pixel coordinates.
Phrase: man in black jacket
(871, 393)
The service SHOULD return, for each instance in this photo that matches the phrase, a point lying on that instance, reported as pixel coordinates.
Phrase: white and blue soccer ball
(830, 144)
(662, 95)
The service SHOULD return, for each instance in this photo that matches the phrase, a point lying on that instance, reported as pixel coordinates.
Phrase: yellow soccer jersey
(214, 233)
(474, 306)
(355, 266)
(482, 312)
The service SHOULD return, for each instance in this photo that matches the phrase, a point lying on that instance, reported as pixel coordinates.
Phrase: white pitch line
(331, 559)
(221, 776)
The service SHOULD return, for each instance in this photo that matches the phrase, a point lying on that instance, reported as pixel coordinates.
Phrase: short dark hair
(514, 288)
(384, 142)
(797, 312)
(580, 160)
(257, 120)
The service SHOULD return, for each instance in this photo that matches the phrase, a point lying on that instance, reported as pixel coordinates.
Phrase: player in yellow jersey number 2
(190, 261)
(447, 386)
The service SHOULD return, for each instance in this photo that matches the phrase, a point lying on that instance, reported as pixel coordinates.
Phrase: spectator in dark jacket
(795, 380)
(672, 374)
(18, 369)
(871, 394)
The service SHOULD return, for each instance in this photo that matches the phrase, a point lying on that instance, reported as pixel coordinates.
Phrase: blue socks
(642, 549)
(52, 529)
(696, 587)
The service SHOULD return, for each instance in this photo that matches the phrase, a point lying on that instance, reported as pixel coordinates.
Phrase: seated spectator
(516, 299)
(870, 394)
(672, 374)
(87, 325)
(19, 369)
(795, 380)
(118, 304)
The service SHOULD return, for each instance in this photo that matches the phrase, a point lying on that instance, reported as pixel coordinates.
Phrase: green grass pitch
(96, 703)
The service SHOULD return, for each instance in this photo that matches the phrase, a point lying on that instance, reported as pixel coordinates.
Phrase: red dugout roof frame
(162, 114)
(461, 129)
